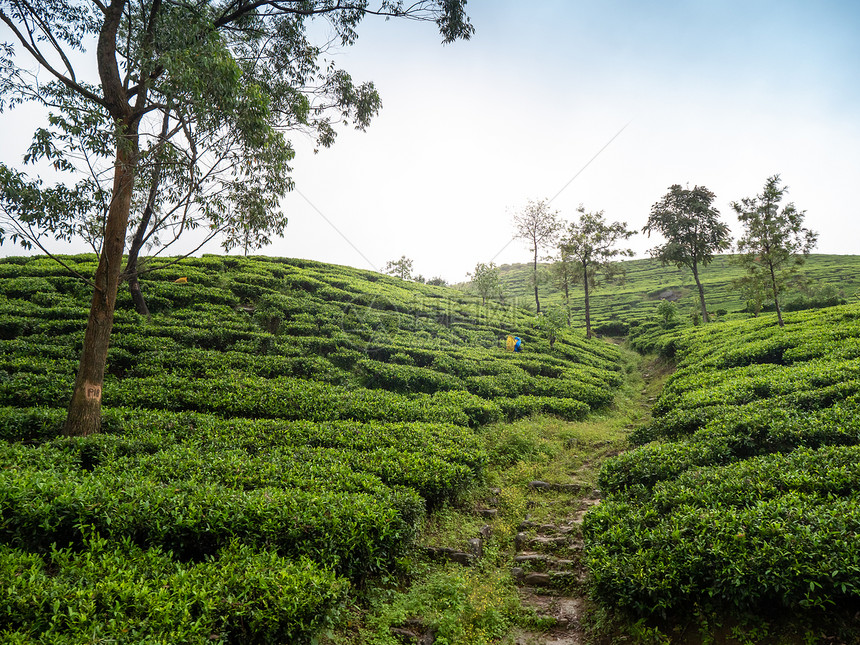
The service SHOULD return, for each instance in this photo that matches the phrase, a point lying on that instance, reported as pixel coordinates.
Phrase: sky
(604, 104)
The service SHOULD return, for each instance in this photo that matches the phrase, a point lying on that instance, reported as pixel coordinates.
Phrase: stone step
(547, 579)
(544, 562)
(547, 544)
(544, 529)
(572, 487)
(466, 558)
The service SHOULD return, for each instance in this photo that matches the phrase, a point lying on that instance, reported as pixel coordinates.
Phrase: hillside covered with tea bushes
(744, 493)
(272, 436)
(617, 309)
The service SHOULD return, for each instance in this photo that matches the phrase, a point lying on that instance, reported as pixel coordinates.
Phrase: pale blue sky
(716, 93)
(721, 94)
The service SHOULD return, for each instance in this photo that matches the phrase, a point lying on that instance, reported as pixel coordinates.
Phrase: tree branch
(36, 53)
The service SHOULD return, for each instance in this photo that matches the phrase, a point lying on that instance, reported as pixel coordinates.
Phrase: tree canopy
(176, 119)
(693, 231)
(401, 268)
(590, 243)
(539, 227)
(774, 242)
(485, 279)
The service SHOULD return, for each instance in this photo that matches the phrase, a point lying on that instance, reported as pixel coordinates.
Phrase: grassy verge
(433, 598)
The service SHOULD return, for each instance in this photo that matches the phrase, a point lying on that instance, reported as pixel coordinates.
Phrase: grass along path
(502, 564)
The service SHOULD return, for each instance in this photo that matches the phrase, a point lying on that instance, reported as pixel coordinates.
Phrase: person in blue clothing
(518, 343)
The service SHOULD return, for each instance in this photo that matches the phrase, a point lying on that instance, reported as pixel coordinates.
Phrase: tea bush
(745, 492)
(273, 429)
(125, 594)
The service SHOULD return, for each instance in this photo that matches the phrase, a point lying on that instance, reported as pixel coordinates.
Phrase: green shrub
(126, 594)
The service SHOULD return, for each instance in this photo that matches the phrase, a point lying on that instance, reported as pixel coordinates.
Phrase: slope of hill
(275, 431)
(744, 496)
(647, 282)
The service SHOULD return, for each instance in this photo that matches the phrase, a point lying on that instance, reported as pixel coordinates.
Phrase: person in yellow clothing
(514, 343)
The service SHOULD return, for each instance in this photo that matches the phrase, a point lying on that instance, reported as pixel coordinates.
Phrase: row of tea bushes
(300, 415)
(356, 533)
(122, 593)
(746, 492)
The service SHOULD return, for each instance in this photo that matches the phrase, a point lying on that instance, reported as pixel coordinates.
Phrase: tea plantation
(744, 493)
(272, 437)
(618, 308)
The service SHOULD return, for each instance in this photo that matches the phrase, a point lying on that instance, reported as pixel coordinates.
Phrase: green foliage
(667, 311)
(774, 242)
(485, 280)
(313, 447)
(133, 595)
(550, 323)
(401, 268)
(693, 232)
(590, 244)
(646, 282)
(462, 608)
(744, 493)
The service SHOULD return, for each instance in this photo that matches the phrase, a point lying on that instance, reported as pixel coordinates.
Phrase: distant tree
(667, 311)
(590, 242)
(774, 243)
(136, 84)
(551, 322)
(564, 274)
(486, 281)
(693, 231)
(539, 227)
(438, 281)
(754, 290)
(401, 268)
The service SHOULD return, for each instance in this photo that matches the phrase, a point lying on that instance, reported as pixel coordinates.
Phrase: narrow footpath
(547, 558)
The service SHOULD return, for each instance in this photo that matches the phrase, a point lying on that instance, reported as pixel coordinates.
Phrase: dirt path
(548, 554)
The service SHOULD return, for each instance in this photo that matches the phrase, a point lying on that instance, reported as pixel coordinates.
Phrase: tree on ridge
(590, 243)
(693, 232)
(774, 243)
(539, 227)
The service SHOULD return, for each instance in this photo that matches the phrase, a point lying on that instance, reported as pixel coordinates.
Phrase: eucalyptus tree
(590, 243)
(774, 243)
(185, 104)
(693, 231)
(539, 227)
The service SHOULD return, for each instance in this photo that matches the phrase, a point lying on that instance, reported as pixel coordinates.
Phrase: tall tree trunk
(84, 415)
(567, 300)
(130, 271)
(537, 300)
(587, 304)
(775, 295)
(702, 304)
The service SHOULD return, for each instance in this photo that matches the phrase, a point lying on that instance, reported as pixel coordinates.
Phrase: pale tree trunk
(775, 295)
(587, 304)
(702, 304)
(537, 300)
(84, 416)
(567, 300)
(130, 271)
